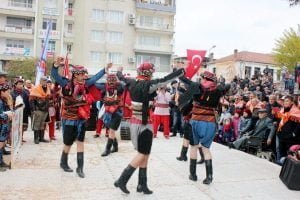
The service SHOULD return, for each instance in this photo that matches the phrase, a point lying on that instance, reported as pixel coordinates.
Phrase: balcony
(68, 37)
(156, 6)
(162, 49)
(10, 53)
(50, 11)
(157, 28)
(11, 7)
(69, 14)
(19, 32)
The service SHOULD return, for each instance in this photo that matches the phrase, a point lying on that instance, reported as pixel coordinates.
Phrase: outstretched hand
(60, 61)
(108, 66)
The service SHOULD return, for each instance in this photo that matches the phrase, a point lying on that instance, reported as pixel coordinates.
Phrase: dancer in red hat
(142, 91)
(74, 112)
(205, 96)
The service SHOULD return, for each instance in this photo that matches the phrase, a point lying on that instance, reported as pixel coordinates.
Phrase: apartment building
(93, 32)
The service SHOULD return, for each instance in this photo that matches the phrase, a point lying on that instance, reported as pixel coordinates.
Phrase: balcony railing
(153, 26)
(15, 5)
(153, 5)
(11, 28)
(161, 48)
(13, 51)
(68, 34)
(50, 11)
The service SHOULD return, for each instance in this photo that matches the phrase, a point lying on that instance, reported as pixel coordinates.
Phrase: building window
(45, 22)
(151, 59)
(51, 46)
(98, 15)
(149, 40)
(151, 21)
(18, 22)
(15, 43)
(95, 56)
(248, 71)
(69, 48)
(115, 58)
(115, 17)
(70, 28)
(115, 37)
(97, 36)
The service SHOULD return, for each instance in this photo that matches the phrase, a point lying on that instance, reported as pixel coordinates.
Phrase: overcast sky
(246, 25)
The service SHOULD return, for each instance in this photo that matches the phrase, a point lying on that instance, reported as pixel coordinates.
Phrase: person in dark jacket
(264, 129)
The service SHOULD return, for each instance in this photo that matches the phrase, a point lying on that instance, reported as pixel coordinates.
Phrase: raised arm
(95, 78)
(156, 83)
(58, 78)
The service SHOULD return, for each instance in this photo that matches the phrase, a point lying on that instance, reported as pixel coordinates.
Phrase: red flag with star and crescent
(195, 58)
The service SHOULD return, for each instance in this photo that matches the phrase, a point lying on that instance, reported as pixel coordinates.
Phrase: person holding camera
(75, 99)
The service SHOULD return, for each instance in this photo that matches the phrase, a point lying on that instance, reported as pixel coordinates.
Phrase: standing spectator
(162, 112)
(175, 113)
(52, 108)
(289, 126)
(284, 70)
(28, 85)
(39, 100)
(19, 90)
(291, 84)
(297, 74)
(5, 116)
(258, 93)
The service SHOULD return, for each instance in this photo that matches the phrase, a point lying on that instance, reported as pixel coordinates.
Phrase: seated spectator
(245, 123)
(264, 129)
(235, 123)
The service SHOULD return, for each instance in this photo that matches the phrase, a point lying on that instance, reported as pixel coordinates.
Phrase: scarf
(39, 92)
(293, 114)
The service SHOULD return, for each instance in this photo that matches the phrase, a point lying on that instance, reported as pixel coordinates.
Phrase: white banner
(16, 133)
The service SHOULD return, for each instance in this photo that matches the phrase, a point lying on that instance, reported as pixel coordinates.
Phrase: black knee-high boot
(124, 178)
(142, 184)
(209, 172)
(193, 176)
(115, 146)
(64, 162)
(42, 135)
(107, 150)
(3, 165)
(201, 161)
(79, 169)
(36, 137)
(183, 154)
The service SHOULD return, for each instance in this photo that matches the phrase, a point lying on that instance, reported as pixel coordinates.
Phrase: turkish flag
(195, 58)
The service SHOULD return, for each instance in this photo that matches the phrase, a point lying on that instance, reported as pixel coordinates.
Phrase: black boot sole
(139, 190)
(181, 159)
(207, 181)
(193, 178)
(116, 184)
(80, 174)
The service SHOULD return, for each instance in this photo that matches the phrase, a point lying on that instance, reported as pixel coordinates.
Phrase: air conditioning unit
(131, 19)
(131, 60)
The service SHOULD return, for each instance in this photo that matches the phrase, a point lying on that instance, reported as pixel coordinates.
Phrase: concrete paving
(236, 175)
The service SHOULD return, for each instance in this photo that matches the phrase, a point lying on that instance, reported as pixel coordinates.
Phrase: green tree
(25, 68)
(287, 49)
